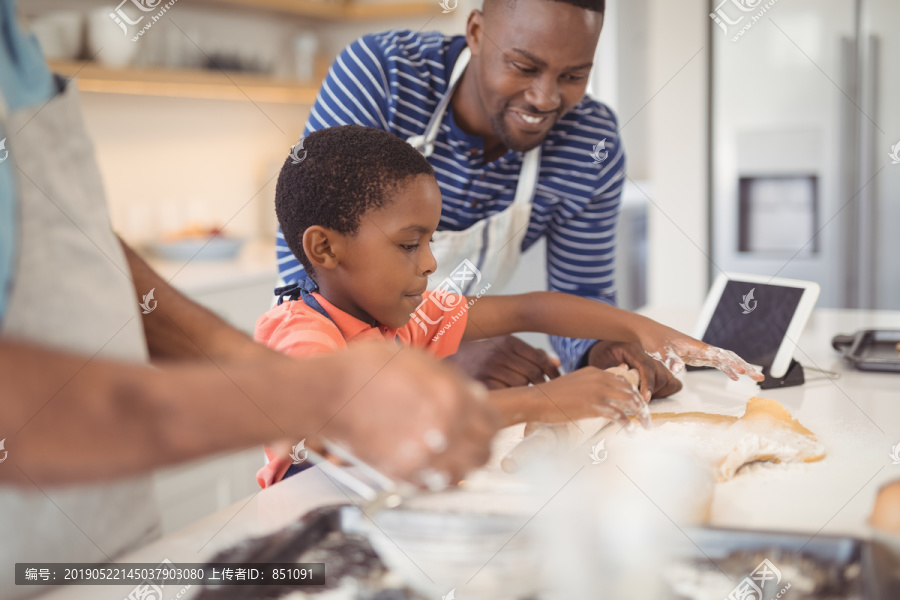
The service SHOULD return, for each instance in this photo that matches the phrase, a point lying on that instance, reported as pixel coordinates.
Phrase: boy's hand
(656, 380)
(505, 361)
(589, 393)
(674, 350)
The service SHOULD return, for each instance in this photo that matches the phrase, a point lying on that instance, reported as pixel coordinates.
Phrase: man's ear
(474, 34)
(322, 247)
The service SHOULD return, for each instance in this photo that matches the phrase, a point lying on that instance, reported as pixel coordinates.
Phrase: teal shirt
(25, 80)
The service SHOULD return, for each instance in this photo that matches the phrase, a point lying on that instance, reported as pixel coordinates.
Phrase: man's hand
(505, 361)
(410, 416)
(656, 380)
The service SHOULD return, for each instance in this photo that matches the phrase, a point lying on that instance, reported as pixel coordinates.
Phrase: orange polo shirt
(298, 330)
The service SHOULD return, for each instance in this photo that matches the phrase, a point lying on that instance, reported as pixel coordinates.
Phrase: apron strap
(302, 290)
(528, 177)
(425, 143)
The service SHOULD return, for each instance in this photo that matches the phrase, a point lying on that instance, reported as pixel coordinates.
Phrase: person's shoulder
(589, 122)
(293, 323)
(414, 45)
(586, 142)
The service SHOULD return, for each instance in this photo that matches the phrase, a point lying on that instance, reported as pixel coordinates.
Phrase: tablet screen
(753, 327)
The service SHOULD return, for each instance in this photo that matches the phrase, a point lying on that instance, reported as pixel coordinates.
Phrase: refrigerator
(805, 145)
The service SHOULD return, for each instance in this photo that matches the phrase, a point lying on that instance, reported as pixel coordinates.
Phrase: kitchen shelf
(183, 83)
(347, 10)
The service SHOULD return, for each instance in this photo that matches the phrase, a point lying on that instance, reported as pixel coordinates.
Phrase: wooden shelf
(347, 10)
(172, 83)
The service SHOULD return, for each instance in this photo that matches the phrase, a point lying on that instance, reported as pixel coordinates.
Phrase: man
(81, 404)
(519, 152)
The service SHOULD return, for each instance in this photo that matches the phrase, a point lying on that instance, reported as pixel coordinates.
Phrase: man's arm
(589, 235)
(80, 419)
(180, 329)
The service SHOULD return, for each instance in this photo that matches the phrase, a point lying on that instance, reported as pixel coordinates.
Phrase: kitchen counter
(856, 417)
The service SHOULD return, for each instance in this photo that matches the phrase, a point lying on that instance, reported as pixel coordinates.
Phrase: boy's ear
(321, 246)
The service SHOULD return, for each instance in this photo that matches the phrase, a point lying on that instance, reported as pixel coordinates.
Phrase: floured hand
(675, 350)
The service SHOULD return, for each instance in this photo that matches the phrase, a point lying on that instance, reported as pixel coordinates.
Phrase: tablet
(757, 317)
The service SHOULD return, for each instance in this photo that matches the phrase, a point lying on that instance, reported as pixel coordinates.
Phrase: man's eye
(524, 69)
(574, 77)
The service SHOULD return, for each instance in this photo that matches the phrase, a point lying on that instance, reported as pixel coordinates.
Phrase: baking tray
(877, 569)
(844, 568)
(309, 534)
(871, 349)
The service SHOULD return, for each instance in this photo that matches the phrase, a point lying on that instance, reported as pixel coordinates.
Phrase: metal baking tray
(842, 568)
(352, 557)
(871, 349)
(875, 571)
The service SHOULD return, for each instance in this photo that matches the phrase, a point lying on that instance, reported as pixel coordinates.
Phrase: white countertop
(856, 417)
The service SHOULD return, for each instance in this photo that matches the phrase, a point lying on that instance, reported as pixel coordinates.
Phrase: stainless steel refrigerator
(805, 140)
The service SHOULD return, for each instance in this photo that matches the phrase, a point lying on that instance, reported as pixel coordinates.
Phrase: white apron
(70, 292)
(494, 244)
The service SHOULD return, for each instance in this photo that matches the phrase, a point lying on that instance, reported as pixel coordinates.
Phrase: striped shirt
(394, 80)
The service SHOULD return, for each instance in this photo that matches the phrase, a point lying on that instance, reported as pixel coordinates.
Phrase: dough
(766, 432)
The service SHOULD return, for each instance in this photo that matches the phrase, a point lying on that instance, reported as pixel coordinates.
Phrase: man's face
(532, 61)
(385, 265)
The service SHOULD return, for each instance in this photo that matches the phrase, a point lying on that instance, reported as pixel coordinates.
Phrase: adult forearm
(179, 328)
(71, 418)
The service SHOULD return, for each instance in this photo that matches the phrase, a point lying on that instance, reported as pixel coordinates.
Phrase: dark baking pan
(823, 567)
(871, 349)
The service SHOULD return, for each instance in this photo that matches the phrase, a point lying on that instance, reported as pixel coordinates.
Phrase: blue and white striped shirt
(394, 81)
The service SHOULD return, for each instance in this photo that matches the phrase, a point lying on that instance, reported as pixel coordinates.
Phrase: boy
(359, 211)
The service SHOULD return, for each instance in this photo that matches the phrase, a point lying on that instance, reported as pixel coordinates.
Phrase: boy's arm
(553, 313)
(572, 316)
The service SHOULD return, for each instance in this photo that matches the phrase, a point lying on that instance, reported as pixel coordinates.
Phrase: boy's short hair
(345, 172)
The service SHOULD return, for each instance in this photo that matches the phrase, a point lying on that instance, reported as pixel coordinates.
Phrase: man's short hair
(593, 5)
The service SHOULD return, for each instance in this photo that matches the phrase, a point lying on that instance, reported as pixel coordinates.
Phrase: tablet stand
(794, 376)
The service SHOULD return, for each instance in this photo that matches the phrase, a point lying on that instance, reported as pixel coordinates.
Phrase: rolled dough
(765, 432)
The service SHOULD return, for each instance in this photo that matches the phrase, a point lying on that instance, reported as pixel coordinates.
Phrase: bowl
(202, 248)
(481, 556)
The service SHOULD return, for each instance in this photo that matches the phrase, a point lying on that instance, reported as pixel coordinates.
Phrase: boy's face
(383, 269)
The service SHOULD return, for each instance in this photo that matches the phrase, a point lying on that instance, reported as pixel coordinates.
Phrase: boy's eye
(409, 247)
